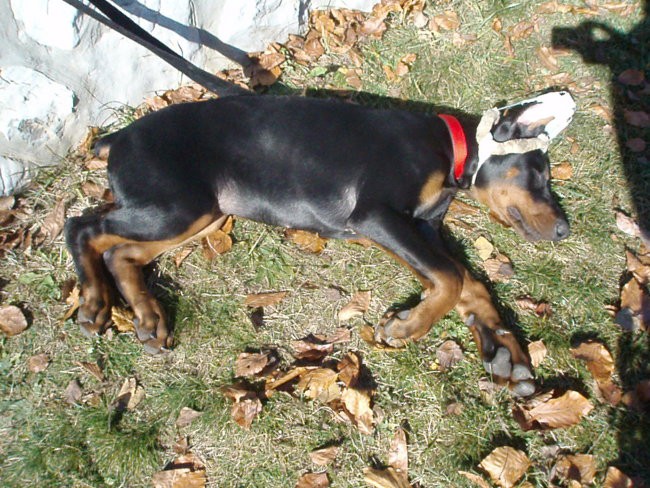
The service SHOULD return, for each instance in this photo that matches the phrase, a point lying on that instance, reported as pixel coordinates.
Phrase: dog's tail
(103, 146)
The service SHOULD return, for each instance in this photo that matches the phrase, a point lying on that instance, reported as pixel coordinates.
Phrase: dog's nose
(562, 230)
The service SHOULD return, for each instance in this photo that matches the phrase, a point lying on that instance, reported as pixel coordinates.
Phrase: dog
(339, 169)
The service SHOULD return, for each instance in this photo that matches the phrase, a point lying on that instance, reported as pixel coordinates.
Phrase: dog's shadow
(602, 44)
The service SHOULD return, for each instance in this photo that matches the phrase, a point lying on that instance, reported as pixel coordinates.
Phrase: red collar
(459, 142)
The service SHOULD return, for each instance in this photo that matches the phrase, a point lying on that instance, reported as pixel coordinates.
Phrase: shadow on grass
(601, 44)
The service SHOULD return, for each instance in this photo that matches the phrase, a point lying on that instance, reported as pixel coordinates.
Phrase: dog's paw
(93, 316)
(151, 330)
(394, 329)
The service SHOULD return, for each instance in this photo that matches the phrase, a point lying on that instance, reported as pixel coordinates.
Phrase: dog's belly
(327, 214)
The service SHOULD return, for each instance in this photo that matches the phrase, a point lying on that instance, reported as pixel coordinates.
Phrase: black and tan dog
(335, 168)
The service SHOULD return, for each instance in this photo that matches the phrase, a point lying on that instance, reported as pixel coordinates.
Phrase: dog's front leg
(439, 274)
(500, 351)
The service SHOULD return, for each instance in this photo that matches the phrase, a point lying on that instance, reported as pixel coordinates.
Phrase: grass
(44, 441)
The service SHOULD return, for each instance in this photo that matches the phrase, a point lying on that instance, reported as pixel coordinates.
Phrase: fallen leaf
(93, 369)
(324, 455)
(454, 408)
(357, 403)
(311, 348)
(215, 244)
(541, 308)
(546, 56)
(447, 21)
(122, 319)
(601, 365)
(54, 221)
(186, 417)
(95, 190)
(275, 383)
(356, 307)
(521, 30)
(12, 320)
(306, 241)
(129, 396)
(635, 306)
(505, 465)
(603, 112)
(627, 224)
(244, 411)
(72, 300)
(320, 384)
(576, 467)
(448, 355)
(313, 480)
(73, 392)
(256, 300)
(38, 363)
(483, 247)
(537, 352)
(96, 164)
(499, 268)
(639, 267)
(186, 93)
(250, 364)
(562, 171)
(181, 255)
(631, 77)
(398, 451)
(476, 479)
(553, 413)
(636, 144)
(349, 369)
(186, 471)
(637, 118)
(385, 478)
(615, 478)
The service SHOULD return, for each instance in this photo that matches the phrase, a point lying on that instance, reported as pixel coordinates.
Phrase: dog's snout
(562, 229)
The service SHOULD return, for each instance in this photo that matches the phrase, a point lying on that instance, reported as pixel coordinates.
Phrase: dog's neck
(462, 171)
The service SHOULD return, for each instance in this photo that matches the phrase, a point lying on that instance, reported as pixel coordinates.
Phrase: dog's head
(513, 176)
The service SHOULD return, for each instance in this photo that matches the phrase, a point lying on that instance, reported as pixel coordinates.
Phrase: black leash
(119, 22)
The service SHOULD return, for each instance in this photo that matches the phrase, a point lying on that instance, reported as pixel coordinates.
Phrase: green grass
(44, 441)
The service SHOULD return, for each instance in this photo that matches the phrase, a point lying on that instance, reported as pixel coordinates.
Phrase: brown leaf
(577, 467)
(311, 348)
(631, 77)
(38, 363)
(123, 319)
(186, 471)
(186, 417)
(476, 479)
(385, 478)
(562, 171)
(93, 369)
(72, 300)
(398, 452)
(54, 221)
(447, 21)
(553, 413)
(313, 480)
(320, 384)
(73, 392)
(537, 352)
(615, 478)
(636, 144)
(448, 354)
(349, 368)
(505, 465)
(499, 269)
(546, 56)
(181, 255)
(454, 408)
(324, 456)
(187, 93)
(357, 403)
(96, 164)
(306, 241)
(356, 307)
(95, 190)
(627, 224)
(129, 396)
(521, 30)
(244, 411)
(250, 364)
(215, 244)
(603, 112)
(541, 309)
(12, 320)
(635, 306)
(256, 300)
(637, 118)
(275, 383)
(405, 63)
(639, 267)
(601, 365)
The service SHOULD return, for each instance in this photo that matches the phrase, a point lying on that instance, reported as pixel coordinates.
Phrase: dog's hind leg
(125, 260)
(94, 314)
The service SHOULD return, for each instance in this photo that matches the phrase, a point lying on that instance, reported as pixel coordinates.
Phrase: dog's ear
(548, 114)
